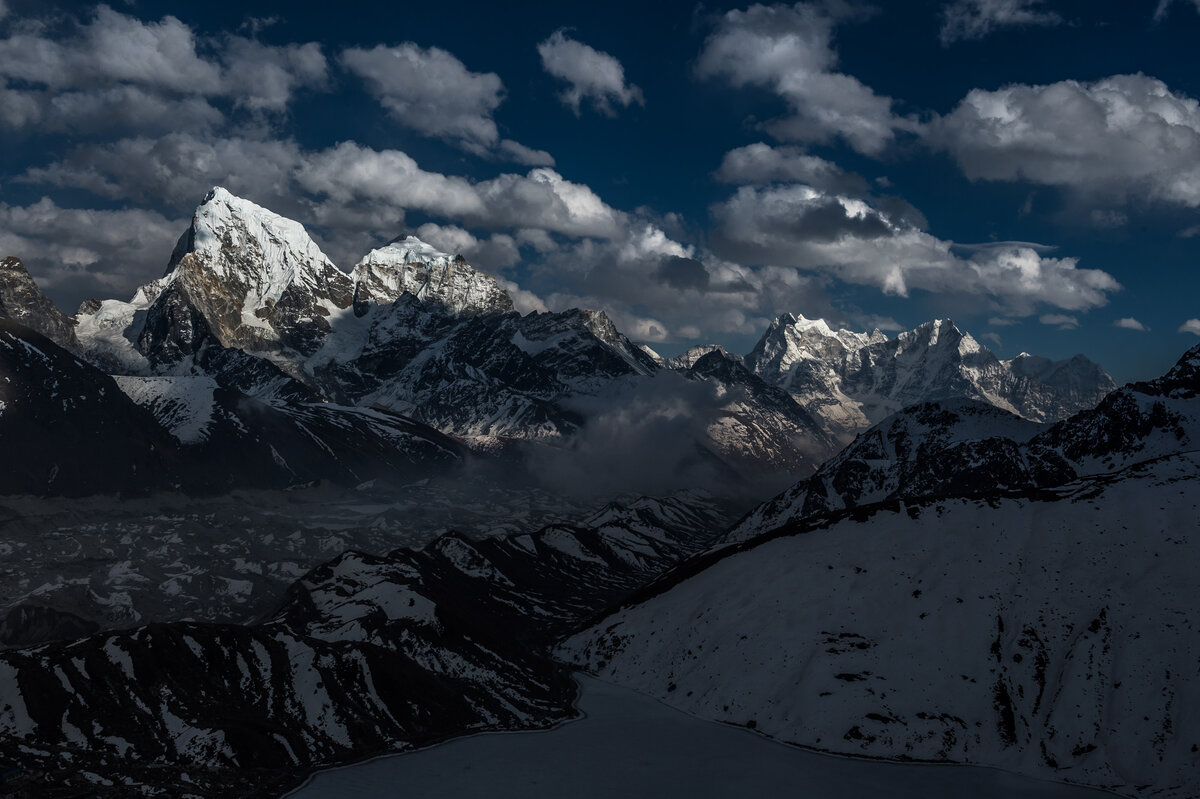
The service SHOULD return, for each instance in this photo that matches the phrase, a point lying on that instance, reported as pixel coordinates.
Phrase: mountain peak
(22, 301)
(410, 265)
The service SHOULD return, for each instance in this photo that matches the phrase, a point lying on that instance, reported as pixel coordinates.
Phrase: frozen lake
(630, 745)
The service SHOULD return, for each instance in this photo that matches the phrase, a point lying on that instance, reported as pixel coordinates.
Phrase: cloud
(590, 74)
(261, 77)
(78, 253)
(788, 50)
(1129, 323)
(525, 302)
(494, 252)
(520, 154)
(1062, 321)
(1123, 136)
(1164, 6)
(118, 72)
(1190, 326)
(975, 19)
(430, 91)
(853, 241)
(762, 163)
(646, 435)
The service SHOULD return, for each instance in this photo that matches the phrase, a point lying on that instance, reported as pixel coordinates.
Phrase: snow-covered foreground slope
(1053, 634)
(604, 755)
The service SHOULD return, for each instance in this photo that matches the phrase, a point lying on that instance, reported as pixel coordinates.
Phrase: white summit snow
(428, 274)
(245, 243)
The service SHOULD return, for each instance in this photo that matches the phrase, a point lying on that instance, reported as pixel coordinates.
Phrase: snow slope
(1053, 634)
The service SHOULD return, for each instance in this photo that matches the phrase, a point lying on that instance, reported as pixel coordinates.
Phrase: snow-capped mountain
(967, 448)
(958, 585)
(412, 266)
(367, 654)
(250, 304)
(852, 380)
(250, 301)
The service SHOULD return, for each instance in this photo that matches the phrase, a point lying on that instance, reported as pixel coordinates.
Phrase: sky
(1028, 168)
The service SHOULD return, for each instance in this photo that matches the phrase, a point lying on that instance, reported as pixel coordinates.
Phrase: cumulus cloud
(975, 19)
(1190, 326)
(430, 91)
(1120, 137)
(762, 163)
(589, 74)
(788, 50)
(1129, 323)
(1061, 321)
(79, 253)
(117, 71)
(802, 227)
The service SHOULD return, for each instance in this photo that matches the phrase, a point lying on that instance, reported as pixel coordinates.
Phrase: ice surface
(628, 744)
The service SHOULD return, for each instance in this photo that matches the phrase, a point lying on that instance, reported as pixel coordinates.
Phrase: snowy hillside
(1051, 634)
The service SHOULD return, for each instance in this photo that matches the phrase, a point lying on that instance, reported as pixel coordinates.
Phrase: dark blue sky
(883, 142)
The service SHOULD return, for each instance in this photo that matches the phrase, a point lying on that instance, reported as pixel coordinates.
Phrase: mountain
(250, 304)
(22, 301)
(852, 380)
(414, 267)
(959, 585)
(249, 301)
(367, 654)
(66, 427)
(75, 430)
(966, 448)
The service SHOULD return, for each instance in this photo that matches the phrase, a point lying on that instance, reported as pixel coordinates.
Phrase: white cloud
(1129, 323)
(762, 163)
(975, 19)
(590, 74)
(1164, 6)
(525, 302)
(261, 77)
(1061, 321)
(789, 51)
(113, 47)
(118, 72)
(1120, 136)
(3, 9)
(494, 252)
(802, 227)
(79, 253)
(1190, 326)
(520, 154)
(430, 91)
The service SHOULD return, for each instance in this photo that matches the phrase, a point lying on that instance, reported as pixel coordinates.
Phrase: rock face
(22, 301)
(66, 428)
(75, 430)
(367, 654)
(852, 380)
(256, 280)
(414, 267)
(969, 448)
(959, 585)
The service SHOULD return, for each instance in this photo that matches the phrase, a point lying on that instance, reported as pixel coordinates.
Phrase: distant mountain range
(997, 568)
(250, 317)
